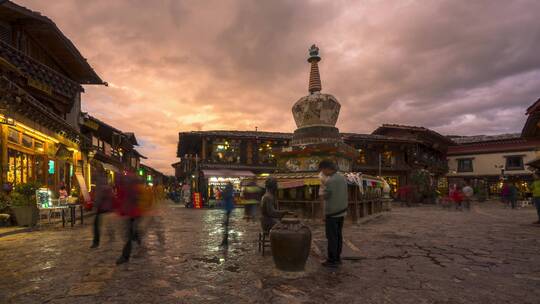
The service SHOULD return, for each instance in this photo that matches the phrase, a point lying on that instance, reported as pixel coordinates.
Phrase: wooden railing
(313, 209)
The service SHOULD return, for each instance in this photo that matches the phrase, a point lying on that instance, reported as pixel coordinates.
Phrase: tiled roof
(51, 37)
(485, 138)
(226, 133)
(534, 107)
(415, 129)
(35, 70)
(356, 136)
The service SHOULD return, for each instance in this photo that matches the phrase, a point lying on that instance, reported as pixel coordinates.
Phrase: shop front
(32, 156)
(216, 180)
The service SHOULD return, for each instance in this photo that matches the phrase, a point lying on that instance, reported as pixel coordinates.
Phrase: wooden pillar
(203, 152)
(5, 165)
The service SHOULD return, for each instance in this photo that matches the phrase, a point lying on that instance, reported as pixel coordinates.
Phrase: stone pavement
(410, 255)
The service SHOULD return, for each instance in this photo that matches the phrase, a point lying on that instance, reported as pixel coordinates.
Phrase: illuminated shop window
(388, 159)
(361, 157)
(266, 156)
(226, 151)
(20, 167)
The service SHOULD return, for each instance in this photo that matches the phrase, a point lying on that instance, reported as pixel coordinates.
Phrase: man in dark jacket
(228, 205)
(269, 214)
(336, 203)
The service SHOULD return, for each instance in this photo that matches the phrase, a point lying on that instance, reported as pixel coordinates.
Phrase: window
(14, 136)
(514, 162)
(39, 146)
(20, 167)
(226, 151)
(266, 156)
(465, 165)
(361, 157)
(27, 141)
(388, 159)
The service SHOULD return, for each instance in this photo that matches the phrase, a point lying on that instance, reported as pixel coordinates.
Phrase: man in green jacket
(336, 203)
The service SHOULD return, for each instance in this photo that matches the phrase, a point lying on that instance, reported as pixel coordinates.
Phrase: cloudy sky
(459, 67)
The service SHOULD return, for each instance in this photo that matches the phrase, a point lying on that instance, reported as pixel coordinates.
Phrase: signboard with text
(197, 200)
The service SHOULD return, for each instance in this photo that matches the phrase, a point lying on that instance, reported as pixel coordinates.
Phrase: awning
(82, 186)
(228, 173)
(110, 167)
(535, 163)
(290, 184)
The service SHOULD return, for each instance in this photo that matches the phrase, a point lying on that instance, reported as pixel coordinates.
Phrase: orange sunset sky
(459, 67)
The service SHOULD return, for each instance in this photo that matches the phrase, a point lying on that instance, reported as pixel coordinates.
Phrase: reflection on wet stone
(397, 257)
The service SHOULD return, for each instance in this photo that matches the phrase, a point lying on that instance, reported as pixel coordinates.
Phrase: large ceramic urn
(291, 243)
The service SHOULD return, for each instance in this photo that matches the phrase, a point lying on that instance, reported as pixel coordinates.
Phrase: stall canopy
(293, 180)
(228, 173)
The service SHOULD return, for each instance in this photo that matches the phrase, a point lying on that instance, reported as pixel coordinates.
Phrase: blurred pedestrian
(512, 195)
(336, 205)
(252, 197)
(228, 206)
(103, 200)
(149, 203)
(127, 204)
(457, 197)
(535, 187)
(505, 193)
(468, 193)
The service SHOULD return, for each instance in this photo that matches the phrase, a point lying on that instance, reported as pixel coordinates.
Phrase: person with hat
(269, 214)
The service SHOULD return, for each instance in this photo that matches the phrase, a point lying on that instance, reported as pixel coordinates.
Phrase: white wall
(484, 164)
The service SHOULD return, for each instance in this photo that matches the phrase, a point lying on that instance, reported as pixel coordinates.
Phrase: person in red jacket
(126, 204)
(457, 197)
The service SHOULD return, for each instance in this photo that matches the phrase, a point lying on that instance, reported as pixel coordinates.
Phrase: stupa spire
(314, 76)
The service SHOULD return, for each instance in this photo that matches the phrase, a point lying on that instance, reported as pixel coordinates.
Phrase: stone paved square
(409, 255)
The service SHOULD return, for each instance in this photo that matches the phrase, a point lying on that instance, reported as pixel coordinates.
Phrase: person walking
(228, 206)
(336, 204)
(457, 197)
(512, 195)
(252, 197)
(127, 206)
(468, 193)
(535, 187)
(505, 193)
(103, 203)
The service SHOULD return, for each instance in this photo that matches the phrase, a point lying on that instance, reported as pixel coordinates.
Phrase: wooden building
(211, 158)
(41, 78)
(109, 148)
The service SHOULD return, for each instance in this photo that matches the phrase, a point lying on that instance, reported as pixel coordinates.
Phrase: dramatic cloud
(459, 67)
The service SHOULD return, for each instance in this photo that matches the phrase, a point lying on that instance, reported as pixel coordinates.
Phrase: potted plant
(4, 210)
(23, 204)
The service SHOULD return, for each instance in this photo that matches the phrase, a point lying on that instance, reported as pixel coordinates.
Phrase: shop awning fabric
(294, 180)
(228, 173)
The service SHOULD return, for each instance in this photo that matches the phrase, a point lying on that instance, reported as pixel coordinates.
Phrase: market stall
(299, 192)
